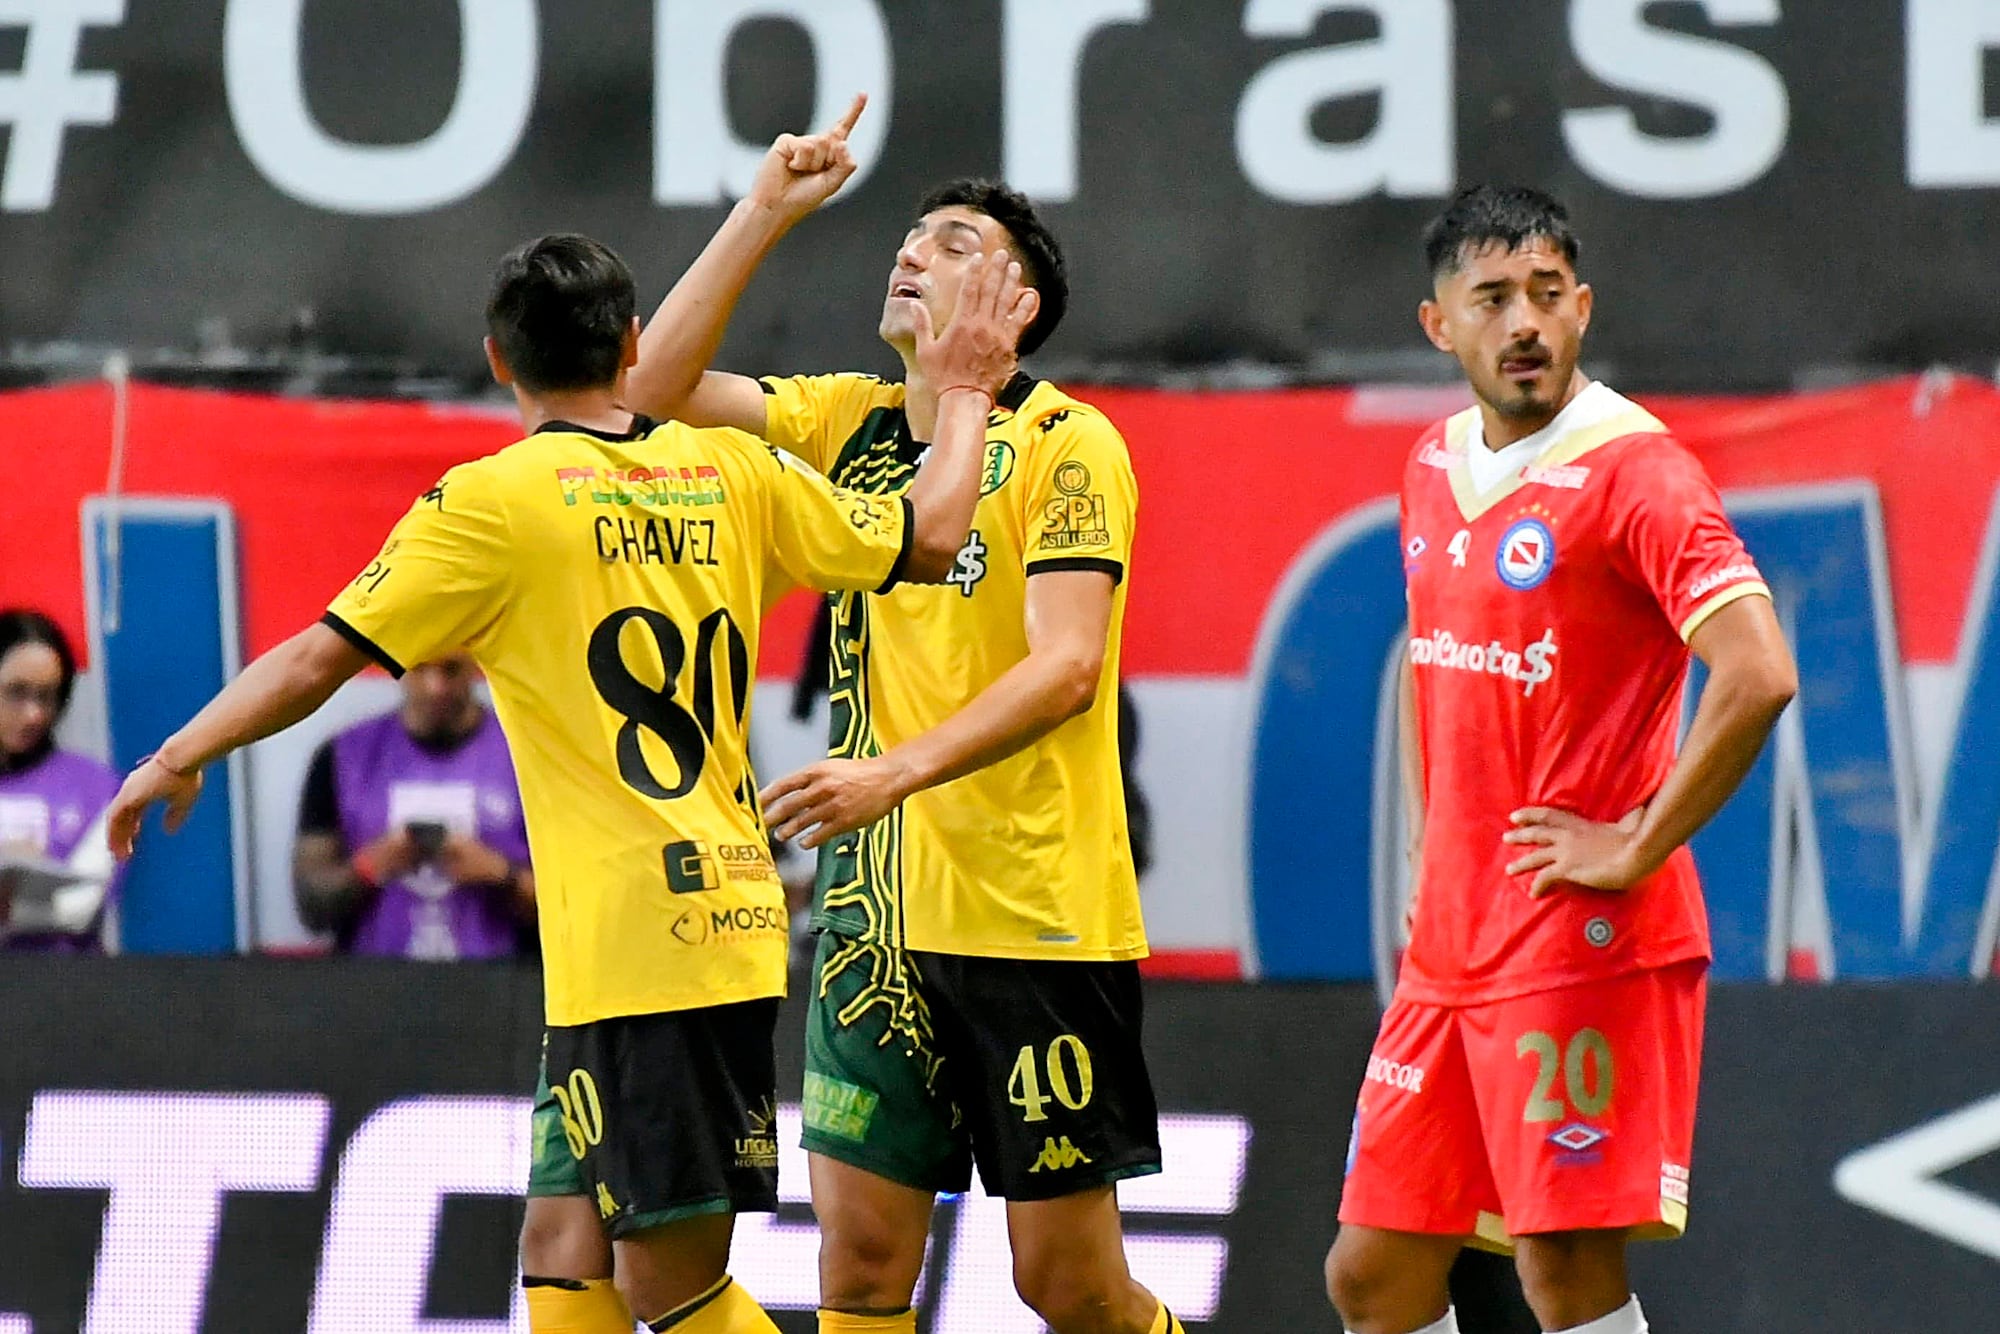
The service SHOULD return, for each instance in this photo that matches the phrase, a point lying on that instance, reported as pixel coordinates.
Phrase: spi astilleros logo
(1527, 554)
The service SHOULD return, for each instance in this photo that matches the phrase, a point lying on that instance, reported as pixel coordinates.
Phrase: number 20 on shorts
(1584, 1064)
(1072, 1090)
(582, 1112)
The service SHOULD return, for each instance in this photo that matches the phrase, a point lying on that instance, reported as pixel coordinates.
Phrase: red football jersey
(1549, 617)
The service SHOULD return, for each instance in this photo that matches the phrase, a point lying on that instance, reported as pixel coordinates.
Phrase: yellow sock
(724, 1309)
(840, 1322)
(1164, 1322)
(575, 1306)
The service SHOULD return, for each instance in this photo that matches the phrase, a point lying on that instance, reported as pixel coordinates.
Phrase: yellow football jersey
(1029, 858)
(612, 589)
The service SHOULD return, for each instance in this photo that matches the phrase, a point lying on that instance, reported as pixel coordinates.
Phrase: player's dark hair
(22, 625)
(1040, 254)
(1480, 215)
(559, 311)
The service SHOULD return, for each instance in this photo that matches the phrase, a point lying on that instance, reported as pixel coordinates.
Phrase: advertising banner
(336, 1147)
(1265, 613)
(1761, 187)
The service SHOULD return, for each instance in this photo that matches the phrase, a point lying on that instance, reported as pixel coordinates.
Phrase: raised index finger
(845, 124)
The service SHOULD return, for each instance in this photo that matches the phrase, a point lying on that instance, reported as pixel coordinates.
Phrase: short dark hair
(559, 311)
(1481, 215)
(1041, 256)
(21, 625)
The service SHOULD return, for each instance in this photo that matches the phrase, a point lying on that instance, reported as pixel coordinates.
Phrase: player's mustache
(1534, 351)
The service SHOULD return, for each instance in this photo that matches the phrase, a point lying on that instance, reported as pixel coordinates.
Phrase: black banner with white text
(1760, 188)
(338, 1147)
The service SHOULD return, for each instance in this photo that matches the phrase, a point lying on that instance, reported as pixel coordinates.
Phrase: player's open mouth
(905, 291)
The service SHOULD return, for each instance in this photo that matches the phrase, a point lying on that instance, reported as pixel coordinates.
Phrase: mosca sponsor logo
(1728, 574)
(1530, 666)
(698, 926)
(747, 919)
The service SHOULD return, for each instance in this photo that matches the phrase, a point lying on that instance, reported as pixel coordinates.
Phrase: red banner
(1232, 485)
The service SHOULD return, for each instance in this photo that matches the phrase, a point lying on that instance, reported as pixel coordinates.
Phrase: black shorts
(919, 1065)
(671, 1115)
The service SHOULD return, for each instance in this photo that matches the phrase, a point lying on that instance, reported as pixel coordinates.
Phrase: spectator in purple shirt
(411, 841)
(52, 801)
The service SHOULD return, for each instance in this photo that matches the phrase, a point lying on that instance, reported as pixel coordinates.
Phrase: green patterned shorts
(553, 1170)
(920, 1065)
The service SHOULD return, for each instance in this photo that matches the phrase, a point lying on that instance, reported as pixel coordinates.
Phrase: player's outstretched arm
(1068, 623)
(1751, 679)
(672, 379)
(277, 690)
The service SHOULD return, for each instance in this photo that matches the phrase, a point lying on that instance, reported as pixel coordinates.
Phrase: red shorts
(1552, 1112)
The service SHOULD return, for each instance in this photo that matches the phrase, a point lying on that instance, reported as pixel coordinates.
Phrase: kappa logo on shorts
(606, 1206)
(1059, 1155)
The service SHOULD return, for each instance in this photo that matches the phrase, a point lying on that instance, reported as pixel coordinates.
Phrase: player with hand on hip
(1533, 1083)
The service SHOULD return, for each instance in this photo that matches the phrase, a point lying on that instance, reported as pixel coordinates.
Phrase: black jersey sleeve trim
(375, 651)
(909, 539)
(1116, 569)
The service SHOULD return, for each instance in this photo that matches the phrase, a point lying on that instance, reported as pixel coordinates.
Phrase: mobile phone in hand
(427, 837)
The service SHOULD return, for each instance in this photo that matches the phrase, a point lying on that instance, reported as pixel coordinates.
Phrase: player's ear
(498, 364)
(1431, 316)
(1585, 299)
(1031, 304)
(628, 352)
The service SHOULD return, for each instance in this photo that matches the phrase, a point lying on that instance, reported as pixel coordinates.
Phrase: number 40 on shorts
(1068, 1065)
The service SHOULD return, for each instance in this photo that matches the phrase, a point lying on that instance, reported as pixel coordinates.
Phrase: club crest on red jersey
(1527, 554)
